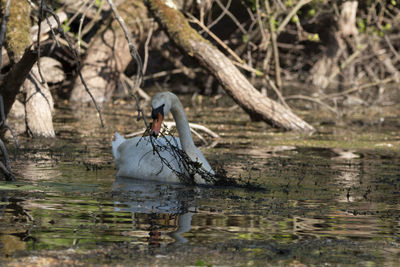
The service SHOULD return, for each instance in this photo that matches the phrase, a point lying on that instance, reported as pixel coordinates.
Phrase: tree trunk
(39, 106)
(328, 64)
(233, 81)
(15, 78)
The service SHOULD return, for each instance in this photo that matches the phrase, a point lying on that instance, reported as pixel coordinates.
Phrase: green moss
(176, 25)
(134, 14)
(18, 27)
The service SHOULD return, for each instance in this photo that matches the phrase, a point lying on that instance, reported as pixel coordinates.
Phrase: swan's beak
(156, 125)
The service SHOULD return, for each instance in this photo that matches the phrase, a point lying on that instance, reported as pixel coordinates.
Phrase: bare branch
(274, 45)
(133, 51)
(146, 47)
(234, 19)
(45, 8)
(312, 99)
(358, 88)
(291, 14)
(219, 41)
(224, 11)
(80, 25)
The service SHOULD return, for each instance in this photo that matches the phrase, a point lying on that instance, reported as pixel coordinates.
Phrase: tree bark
(15, 78)
(234, 83)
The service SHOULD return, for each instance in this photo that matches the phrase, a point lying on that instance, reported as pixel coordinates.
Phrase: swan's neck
(182, 124)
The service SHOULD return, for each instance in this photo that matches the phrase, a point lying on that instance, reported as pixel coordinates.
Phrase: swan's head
(161, 104)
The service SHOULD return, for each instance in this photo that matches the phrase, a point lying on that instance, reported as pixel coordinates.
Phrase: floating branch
(171, 124)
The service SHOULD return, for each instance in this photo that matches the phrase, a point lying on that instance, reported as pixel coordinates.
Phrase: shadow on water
(299, 200)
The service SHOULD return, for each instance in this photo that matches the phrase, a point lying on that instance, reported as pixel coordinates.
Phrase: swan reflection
(158, 206)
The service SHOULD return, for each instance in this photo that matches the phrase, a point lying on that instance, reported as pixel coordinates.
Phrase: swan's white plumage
(135, 157)
(118, 139)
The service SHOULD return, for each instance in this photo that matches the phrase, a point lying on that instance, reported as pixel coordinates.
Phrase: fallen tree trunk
(234, 82)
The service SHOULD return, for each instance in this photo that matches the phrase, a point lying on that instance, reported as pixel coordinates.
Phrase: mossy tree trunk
(234, 82)
(16, 41)
(39, 101)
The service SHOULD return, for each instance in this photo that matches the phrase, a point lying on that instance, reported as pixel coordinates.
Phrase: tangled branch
(187, 168)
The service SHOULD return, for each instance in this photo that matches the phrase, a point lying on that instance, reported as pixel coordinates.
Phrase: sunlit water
(305, 204)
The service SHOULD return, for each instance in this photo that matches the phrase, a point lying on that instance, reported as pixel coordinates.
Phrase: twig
(195, 126)
(359, 88)
(277, 91)
(168, 72)
(139, 90)
(264, 42)
(140, 112)
(4, 26)
(146, 47)
(73, 51)
(348, 60)
(232, 17)
(291, 14)
(81, 23)
(219, 41)
(224, 11)
(312, 99)
(41, 15)
(78, 12)
(396, 54)
(274, 45)
(171, 124)
(47, 26)
(187, 168)
(335, 95)
(134, 53)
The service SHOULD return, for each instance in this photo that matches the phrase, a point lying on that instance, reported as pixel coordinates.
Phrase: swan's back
(135, 158)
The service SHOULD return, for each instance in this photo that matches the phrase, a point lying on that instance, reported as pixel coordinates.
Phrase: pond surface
(331, 198)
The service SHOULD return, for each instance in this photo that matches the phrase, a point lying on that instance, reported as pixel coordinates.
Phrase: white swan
(135, 157)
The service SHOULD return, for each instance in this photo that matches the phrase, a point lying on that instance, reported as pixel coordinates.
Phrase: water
(332, 198)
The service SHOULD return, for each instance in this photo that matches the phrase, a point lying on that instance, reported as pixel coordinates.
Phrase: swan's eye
(156, 111)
